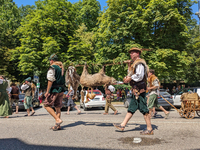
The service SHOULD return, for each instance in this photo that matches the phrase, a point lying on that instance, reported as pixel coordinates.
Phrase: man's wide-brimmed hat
(28, 79)
(53, 57)
(135, 49)
(138, 49)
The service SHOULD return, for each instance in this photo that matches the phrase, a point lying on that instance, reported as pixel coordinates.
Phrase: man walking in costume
(137, 76)
(109, 96)
(15, 96)
(26, 87)
(153, 88)
(55, 90)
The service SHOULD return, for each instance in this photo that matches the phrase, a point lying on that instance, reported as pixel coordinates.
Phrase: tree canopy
(81, 32)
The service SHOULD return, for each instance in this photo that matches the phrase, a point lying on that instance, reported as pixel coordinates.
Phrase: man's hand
(127, 79)
(46, 94)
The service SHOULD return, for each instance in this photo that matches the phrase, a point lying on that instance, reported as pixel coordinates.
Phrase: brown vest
(141, 85)
(151, 79)
(14, 92)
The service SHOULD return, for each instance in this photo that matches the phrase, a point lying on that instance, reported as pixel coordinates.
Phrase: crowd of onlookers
(174, 89)
(122, 93)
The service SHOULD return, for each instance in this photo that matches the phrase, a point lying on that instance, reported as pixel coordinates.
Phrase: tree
(87, 12)
(154, 24)
(82, 48)
(10, 21)
(193, 50)
(44, 31)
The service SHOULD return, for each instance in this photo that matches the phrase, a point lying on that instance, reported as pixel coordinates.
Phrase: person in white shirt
(137, 77)
(70, 102)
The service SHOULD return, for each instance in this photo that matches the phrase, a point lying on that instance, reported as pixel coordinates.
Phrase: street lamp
(198, 14)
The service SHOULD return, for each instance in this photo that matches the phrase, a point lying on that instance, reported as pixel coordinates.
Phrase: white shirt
(72, 91)
(139, 73)
(155, 91)
(24, 87)
(51, 75)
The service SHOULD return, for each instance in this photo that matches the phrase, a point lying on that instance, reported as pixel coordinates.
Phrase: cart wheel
(190, 113)
(181, 112)
(198, 113)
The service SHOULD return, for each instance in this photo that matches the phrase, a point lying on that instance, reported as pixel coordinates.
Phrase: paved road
(93, 130)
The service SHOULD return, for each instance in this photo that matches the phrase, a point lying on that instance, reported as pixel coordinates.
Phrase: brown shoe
(118, 126)
(146, 132)
(115, 112)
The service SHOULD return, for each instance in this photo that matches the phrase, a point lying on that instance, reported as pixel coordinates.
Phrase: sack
(111, 88)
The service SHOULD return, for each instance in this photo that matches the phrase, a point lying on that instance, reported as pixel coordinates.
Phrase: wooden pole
(124, 62)
(169, 103)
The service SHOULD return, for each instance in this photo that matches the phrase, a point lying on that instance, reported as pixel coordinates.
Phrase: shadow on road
(100, 124)
(14, 143)
(139, 127)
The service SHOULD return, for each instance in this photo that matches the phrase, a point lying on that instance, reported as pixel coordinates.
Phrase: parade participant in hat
(55, 90)
(5, 109)
(109, 89)
(29, 92)
(137, 77)
(153, 89)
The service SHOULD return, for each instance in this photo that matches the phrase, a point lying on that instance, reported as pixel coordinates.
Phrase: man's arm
(48, 87)
(68, 93)
(138, 76)
(24, 87)
(51, 79)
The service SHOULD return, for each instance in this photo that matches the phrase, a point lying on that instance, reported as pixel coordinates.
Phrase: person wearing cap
(55, 90)
(109, 89)
(5, 109)
(137, 77)
(27, 88)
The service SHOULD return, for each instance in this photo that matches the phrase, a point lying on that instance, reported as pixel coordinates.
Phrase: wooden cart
(190, 104)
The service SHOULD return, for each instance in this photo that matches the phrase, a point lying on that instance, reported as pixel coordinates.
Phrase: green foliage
(87, 12)
(9, 21)
(170, 64)
(193, 50)
(44, 31)
(156, 24)
(80, 33)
